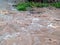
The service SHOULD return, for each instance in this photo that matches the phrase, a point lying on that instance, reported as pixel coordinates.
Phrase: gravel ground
(30, 27)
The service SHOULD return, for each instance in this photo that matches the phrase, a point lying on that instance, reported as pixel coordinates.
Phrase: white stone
(51, 25)
(35, 19)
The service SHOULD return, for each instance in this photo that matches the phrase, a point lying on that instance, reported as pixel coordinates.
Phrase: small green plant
(57, 4)
(42, 5)
(22, 6)
(35, 4)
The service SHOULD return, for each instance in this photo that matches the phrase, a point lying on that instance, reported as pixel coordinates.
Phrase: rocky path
(24, 28)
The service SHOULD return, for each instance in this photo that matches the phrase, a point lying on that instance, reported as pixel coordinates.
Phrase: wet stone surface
(24, 28)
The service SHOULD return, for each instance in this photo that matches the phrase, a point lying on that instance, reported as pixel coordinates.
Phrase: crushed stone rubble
(25, 28)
